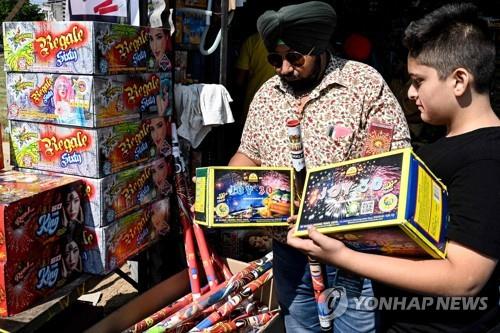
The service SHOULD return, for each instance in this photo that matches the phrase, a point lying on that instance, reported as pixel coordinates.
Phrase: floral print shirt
(334, 119)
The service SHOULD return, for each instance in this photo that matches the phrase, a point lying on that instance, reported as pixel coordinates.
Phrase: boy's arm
(240, 159)
(463, 273)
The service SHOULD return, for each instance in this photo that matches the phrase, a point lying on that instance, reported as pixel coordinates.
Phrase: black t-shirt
(469, 165)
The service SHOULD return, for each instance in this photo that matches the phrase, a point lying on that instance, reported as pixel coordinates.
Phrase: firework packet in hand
(379, 138)
(389, 204)
(242, 197)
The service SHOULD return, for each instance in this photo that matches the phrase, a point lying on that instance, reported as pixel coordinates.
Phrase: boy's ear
(462, 80)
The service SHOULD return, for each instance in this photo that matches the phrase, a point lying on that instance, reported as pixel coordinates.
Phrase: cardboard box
(171, 289)
(83, 47)
(87, 101)
(37, 211)
(1, 149)
(388, 204)
(41, 224)
(89, 152)
(24, 283)
(250, 196)
(107, 248)
(117, 195)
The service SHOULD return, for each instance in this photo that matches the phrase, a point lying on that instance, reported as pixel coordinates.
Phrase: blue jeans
(296, 297)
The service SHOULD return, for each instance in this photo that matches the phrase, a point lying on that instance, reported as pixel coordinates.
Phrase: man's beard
(308, 83)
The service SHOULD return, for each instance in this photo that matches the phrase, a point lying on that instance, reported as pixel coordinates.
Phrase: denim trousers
(296, 296)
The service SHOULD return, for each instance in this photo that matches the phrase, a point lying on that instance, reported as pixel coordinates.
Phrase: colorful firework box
(86, 152)
(106, 248)
(22, 283)
(389, 204)
(38, 210)
(83, 48)
(242, 197)
(84, 100)
(1, 149)
(115, 196)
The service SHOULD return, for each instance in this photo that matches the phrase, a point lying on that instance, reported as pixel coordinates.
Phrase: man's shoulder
(352, 72)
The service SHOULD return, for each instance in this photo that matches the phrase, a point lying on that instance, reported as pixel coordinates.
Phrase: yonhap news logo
(439, 303)
(333, 303)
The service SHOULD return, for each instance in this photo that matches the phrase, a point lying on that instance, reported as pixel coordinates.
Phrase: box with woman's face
(85, 100)
(87, 152)
(107, 248)
(36, 211)
(26, 282)
(84, 47)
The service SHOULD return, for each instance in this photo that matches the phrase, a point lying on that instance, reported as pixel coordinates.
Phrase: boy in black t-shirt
(451, 63)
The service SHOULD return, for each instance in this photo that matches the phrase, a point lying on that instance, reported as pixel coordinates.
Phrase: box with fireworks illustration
(106, 248)
(242, 197)
(1, 149)
(36, 211)
(116, 195)
(84, 47)
(24, 283)
(88, 152)
(84, 100)
(389, 203)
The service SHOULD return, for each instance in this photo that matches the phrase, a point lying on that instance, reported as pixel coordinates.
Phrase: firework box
(1, 148)
(117, 195)
(85, 100)
(242, 197)
(83, 47)
(86, 152)
(36, 211)
(107, 248)
(26, 282)
(389, 204)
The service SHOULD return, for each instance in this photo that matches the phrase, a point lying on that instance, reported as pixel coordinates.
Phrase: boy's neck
(478, 114)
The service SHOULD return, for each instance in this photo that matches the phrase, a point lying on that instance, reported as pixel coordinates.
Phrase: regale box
(88, 152)
(82, 47)
(119, 194)
(388, 204)
(242, 197)
(85, 100)
(107, 248)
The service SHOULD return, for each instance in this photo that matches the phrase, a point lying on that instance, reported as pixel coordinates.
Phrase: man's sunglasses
(294, 58)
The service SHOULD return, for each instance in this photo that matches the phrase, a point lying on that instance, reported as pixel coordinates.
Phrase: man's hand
(319, 246)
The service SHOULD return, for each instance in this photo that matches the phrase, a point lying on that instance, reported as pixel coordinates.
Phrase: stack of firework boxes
(93, 100)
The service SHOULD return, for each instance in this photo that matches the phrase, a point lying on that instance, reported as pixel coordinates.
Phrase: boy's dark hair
(450, 37)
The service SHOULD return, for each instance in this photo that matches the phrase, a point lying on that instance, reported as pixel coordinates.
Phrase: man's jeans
(296, 296)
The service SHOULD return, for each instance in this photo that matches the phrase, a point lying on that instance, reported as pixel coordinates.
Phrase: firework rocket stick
(257, 320)
(241, 322)
(256, 267)
(191, 259)
(185, 199)
(298, 162)
(183, 196)
(224, 311)
(222, 327)
(163, 313)
(205, 256)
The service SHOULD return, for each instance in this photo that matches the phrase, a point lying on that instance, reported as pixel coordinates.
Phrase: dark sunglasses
(294, 58)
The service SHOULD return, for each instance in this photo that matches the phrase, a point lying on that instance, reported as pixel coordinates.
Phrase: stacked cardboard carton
(93, 100)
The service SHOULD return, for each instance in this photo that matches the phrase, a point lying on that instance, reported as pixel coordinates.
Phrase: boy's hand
(319, 246)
